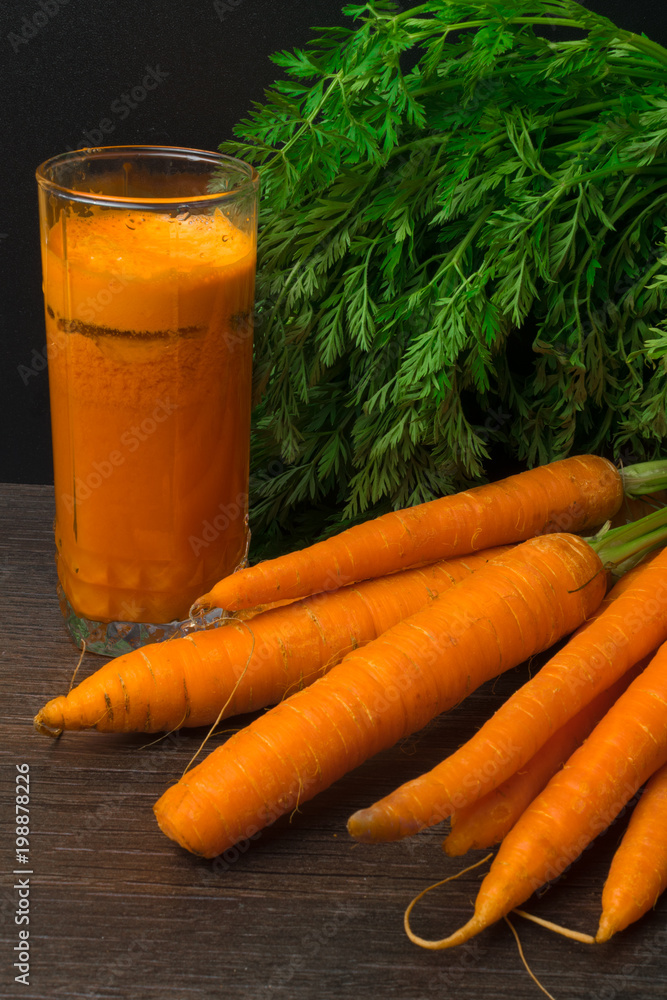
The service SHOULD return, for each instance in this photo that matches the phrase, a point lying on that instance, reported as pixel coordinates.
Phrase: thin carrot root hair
(524, 960)
(229, 699)
(161, 736)
(443, 942)
(42, 727)
(557, 928)
(296, 809)
(76, 669)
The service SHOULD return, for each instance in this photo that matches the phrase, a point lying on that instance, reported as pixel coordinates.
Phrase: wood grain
(118, 911)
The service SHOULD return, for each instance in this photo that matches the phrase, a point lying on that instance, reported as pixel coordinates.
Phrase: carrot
(241, 667)
(638, 872)
(495, 619)
(632, 626)
(626, 747)
(574, 494)
(486, 821)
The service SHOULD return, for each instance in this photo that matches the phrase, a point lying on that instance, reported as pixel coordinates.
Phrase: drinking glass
(148, 260)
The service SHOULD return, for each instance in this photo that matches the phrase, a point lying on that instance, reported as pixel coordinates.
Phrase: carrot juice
(149, 339)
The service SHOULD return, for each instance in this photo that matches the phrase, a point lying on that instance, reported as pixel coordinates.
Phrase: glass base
(117, 638)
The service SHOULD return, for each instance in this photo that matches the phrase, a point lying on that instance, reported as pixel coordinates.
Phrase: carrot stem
(644, 477)
(621, 548)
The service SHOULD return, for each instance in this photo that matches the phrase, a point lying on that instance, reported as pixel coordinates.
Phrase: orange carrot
(241, 667)
(633, 625)
(505, 612)
(638, 872)
(626, 747)
(486, 821)
(573, 495)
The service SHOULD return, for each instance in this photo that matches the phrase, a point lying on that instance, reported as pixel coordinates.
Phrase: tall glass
(148, 257)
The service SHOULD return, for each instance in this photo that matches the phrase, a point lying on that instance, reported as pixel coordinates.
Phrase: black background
(58, 85)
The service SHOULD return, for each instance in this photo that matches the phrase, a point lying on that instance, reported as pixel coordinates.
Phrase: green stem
(585, 109)
(596, 245)
(621, 548)
(639, 72)
(650, 209)
(637, 42)
(644, 477)
(482, 22)
(455, 255)
(311, 117)
(433, 140)
(645, 45)
(582, 109)
(615, 168)
(459, 82)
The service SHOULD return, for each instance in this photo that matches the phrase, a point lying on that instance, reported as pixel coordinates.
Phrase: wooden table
(117, 910)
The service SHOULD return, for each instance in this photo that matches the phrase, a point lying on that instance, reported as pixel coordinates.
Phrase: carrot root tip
(201, 607)
(605, 931)
(371, 827)
(358, 826)
(476, 923)
(455, 849)
(45, 729)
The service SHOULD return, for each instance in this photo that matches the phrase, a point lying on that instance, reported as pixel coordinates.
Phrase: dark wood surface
(117, 910)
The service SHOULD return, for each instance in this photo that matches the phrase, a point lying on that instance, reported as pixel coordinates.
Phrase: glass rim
(155, 152)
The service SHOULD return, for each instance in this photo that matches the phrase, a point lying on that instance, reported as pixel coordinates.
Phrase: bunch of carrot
(391, 623)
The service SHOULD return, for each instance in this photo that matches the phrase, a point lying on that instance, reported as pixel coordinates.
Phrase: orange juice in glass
(148, 258)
